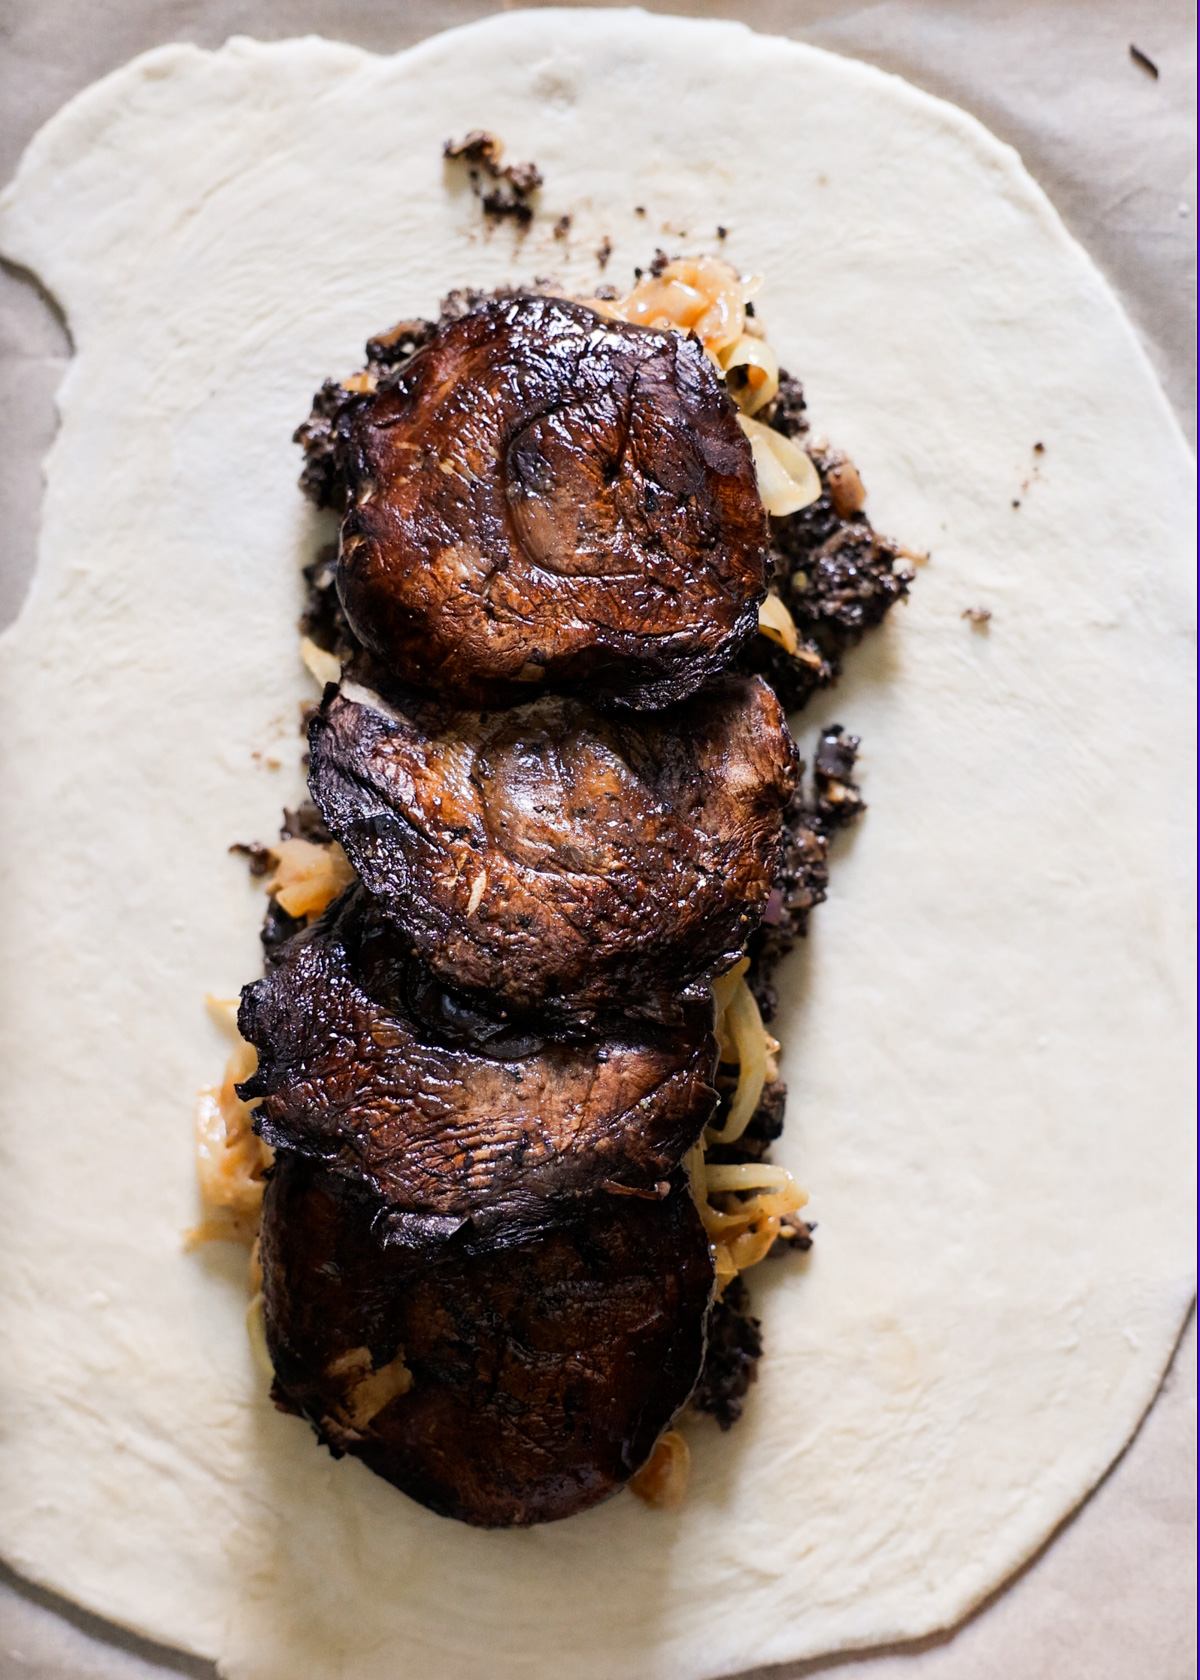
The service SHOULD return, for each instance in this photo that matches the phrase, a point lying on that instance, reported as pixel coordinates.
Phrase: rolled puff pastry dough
(986, 1035)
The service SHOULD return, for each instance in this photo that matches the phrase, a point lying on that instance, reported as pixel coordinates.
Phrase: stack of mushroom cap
(542, 495)
(483, 1270)
(481, 1069)
(553, 858)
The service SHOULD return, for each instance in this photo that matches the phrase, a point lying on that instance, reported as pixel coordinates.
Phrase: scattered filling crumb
(503, 189)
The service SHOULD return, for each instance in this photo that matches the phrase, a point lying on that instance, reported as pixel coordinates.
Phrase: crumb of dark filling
(820, 806)
(503, 189)
(323, 621)
(260, 859)
(732, 1351)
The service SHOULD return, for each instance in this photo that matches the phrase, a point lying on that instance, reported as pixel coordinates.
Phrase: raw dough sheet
(893, 698)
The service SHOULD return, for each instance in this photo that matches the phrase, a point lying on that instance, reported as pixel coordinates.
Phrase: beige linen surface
(1116, 1578)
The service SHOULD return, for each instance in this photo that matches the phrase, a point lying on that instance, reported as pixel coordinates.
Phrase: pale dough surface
(986, 1037)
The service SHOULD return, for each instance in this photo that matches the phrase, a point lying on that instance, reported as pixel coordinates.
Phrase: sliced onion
(723, 320)
(746, 1175)
(725, 985)
(693, 1163)
(724, 1265)
(787, 478)
(743, 1023)
(761, 369)
(767, 1204)
(754, 1245)
(703, 295)
(726, 1225)
(775, 621)
(324, 667)
(669, 302)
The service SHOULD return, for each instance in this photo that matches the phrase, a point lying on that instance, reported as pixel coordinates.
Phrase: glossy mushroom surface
(543, 497)
(503, 1388)
(447, 1128)
(557, 859)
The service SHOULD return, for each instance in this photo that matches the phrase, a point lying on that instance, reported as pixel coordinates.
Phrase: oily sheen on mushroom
(482, 1067)
(504, 1388)
(555, 858)
(543, 495)
(491, 1139)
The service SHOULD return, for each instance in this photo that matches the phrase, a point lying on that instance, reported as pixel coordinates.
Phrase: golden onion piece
(370, 1389)
(308, 876)
(752, 1245)
(701, 295)
(737, 1217)
(231, 1159)
(755, 370)
(775, 621)
(724, 320)
(662, 1481)
(665, 303)
(787, 478)
(693, 1163)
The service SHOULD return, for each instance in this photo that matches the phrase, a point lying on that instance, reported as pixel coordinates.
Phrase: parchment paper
(1112, 1597)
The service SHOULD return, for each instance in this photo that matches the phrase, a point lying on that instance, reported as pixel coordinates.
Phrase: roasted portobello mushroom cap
(504, 1388)
(544, 496)
(556, 859)
(446, 1121)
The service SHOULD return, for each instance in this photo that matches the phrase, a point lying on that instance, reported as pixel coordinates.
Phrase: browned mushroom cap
(501, 1389)
(554, 858)
(544, 495)
(497, 1132)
